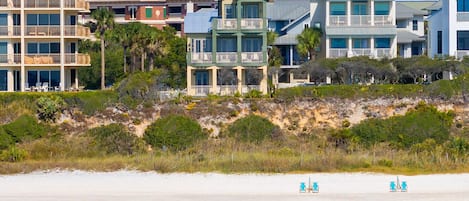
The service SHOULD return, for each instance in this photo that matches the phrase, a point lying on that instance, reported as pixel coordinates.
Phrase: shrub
(115, 139)
(254, 94)
(253, 128)
(48, 108)
(175, 132)
(25, 128)
(13, 154)
(5, 139)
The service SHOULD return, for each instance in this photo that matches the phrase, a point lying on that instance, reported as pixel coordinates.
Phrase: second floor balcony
(10, 31)
(360, 20)
(226, 24)
(227, 57)
(361, 52)
(201, 57)
(462, 16)
(338, 52)
(252, 57)
(70, 58)
(54, 30)
(10, 3)
(252, 23)
(74, 4)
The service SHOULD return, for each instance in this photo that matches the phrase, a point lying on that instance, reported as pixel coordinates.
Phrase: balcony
(10, 3)
(256, 23)
(79, 59)
(361, 52)
(338, 20)
(227, 89)
(227, 57)
(383, 53)
(54, 30)
(460, 54)
(70, 58)
(10, 59)
(77, 30)
(201, 58)
(248, 88)
(381, 20)
(252, 57)
(80, 4)
(201, 90)
(360, 20)
(10, 30)
(462, 16)
(337, 52)
(226, 24)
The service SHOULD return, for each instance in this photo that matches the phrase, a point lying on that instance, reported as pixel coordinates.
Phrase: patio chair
(45, 86)
(302, 187)
(392, 186)
(26, 87)
(315, 187)
(404, 186)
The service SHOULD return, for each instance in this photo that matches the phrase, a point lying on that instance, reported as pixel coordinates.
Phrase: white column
(214, 80)
(10, 52)
(372, 46)
(76, 78)
(23, 47)
(372, 12)
(263, 84)
(392, 12)
(62, 47)
(189, 80)
(349, 12)
(10, 24)
(349, 46)
(291, 55)
(327, 12)
(10, 80)
(239, 75)
(327, 47)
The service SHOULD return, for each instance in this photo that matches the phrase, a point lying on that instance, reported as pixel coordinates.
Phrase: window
(361, 43)
(382, 42)
(39, 77)
(381, 8)
(43, 48)
(3, 52)
(148, 12)
(230, 11)
(3, 80)
(55, 48)
(31, 19)
(54, 19)
(338, 8)
(338, 43)
(252, 44)
(415, 25)
(306, 26)
(132, 12)
(41, 19)
(463, 40)
(440, 42)
(32, 48)
(201, 78)
(17, 48)
(359, 8)
(3, 19)
(226, 45)
(251, 11)
(32, 78)
(119, 11)
(175, 10)
(16, 19)
(463, 5)
(44, 76)
(317, 25)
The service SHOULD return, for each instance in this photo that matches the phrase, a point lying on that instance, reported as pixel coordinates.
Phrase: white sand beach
(131, 185)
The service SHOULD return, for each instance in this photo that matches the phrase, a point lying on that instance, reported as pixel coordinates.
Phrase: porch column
(239, 75)
(10, 79)
(327, 12)
(372, 12)
(76, 78)
(349, 12)
(291, 55)
(263, 84)
(214, 80)
(392, 12)
(327, 47)
(372, 47)
(349, 47)
(189, 80)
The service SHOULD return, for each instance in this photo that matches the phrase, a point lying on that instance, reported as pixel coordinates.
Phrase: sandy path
(128, 185)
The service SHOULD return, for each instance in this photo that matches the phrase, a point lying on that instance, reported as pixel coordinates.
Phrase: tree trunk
(125, 60)
(142, 63)
(150, 62)
(312, 55)
(103, 67)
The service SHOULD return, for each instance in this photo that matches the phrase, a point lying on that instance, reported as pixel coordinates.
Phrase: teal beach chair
(392, 186)
(302, 187)
(404, 186)
(315, 187)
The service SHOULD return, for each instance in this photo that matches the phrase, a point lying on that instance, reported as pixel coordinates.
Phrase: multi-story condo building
(449, 28)
(39, 44)
(157, 13)
(227, 48)
(411, 39)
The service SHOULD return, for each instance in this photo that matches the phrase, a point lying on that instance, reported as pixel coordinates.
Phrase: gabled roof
(299, 19)
(286, 10)
(200, 21)
(404, 36)
(289, 39)
(436, 6)
(405, 12)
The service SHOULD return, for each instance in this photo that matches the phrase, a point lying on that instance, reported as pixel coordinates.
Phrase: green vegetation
(173, 132)
(254, 129)
(48, 108)
(115, 139)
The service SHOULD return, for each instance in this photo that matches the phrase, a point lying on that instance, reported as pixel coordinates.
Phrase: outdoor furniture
(315, 187)
(45, 86)
(404, 186)
(26, 87)
(392, 186)
(302, 187)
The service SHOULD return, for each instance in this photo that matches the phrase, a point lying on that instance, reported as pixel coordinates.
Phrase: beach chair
(315, 187)
(404, 186)
(302, 187)
(392, 186)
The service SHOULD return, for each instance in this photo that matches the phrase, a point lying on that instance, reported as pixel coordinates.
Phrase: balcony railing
(383, 52)
(227, 89)
(462, 53)
(227, 57)
(462, 16)
(201, 57)
(338, 52)
(361, 52)
(252, 23)
(247, 88)
(383, 20)
(10, 58)
(76, 30)
(338, 20)
(361, 20)
(81, 59)
(70, 58)
(54, 30)
(82, 4)
(227, 24)
(10, 30)
(10, 3)
(201, 90)
(252, 57)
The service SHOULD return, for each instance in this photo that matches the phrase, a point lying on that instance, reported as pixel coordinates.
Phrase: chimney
(190, 7)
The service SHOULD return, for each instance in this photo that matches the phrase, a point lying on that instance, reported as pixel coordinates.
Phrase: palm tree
(104, 22)
(308, 41)
(121, 35)
(155, 45)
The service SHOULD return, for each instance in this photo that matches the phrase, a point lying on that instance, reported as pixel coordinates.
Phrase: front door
(201, 78)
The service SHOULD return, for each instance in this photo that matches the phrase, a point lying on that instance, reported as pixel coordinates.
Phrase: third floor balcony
(54, 30)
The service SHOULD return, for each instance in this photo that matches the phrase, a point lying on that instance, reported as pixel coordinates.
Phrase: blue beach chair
(404, 186)
(315, 187)
(392, 186)
(302, 187)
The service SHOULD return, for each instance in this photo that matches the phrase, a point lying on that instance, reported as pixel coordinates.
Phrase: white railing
(247, 88)
(201, 90)
(56, 4)
(252, 57)
(361, 52)
(227, 57)
(42, 59)
(227, 24)
(76, 30)
(383, 52)
(252, 23)
(462, 16)
(227, 89)
(10, 30)
(4, 58)
(360, 20)
(383, 20)
(462, 53)
(10, 58)
(42, 30)
(201, 57)
(77, 58)
(10, 3)
(335, 20)
(338, 52)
